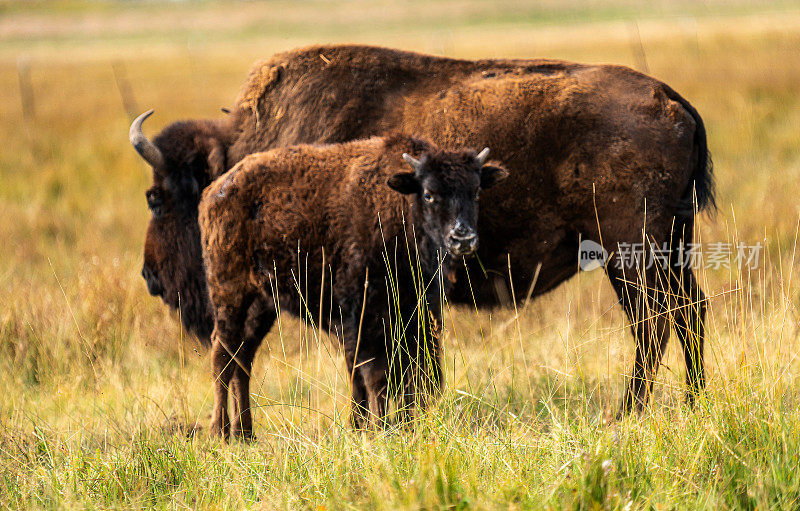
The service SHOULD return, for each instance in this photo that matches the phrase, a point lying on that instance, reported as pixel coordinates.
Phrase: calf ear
(215, 156)
(404, 182)
(491, 175)
(217, 160)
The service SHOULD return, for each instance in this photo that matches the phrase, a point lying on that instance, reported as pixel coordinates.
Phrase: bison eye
(427, 197)
(154, 203)
(477, 194)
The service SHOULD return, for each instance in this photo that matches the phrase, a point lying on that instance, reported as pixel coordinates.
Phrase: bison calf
(281, 225)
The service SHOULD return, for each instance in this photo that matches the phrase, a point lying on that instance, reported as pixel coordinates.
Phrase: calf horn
(482, 156)
(144, 147)
(415, 163)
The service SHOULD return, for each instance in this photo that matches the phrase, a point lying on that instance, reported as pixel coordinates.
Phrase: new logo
(591, 255)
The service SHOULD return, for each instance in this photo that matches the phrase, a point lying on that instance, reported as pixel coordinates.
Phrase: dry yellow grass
(95, 372)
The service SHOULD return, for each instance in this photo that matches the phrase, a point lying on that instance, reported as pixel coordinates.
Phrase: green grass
(100, 383)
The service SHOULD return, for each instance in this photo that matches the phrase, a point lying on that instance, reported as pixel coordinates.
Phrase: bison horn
(482, 156)
(415, 163)
(144, 147)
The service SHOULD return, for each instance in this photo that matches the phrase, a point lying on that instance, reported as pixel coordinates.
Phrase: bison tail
(701, 189)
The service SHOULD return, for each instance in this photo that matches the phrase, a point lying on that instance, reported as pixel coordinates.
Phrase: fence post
(639, 54)
(26, 88)
(125, 90)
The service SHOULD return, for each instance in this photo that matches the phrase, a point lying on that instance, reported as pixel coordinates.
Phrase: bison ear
(203, 164)
(491, 175)
(404, 182)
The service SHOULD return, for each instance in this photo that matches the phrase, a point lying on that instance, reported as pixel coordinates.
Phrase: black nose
(461, 231)
(462, 241)
(153, 284)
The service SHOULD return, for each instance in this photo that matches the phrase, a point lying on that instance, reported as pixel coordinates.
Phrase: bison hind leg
(643, 294)
(689, 310)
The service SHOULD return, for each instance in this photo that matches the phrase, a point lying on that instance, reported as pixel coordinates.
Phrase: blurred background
(85, 349)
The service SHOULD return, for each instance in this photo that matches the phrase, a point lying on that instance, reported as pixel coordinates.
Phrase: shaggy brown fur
(593, 150)
(271, 222)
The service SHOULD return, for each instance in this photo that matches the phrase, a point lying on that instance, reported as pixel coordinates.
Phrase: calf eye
(427, 197)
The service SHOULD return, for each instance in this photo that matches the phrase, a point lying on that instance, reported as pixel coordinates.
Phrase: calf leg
(368, 374)
(377, 387)
(430, 374)
(359, 415)
(220, 426)
(225, 341)
(361, 407)
(644, 299)
(260, 319)
(423, 378)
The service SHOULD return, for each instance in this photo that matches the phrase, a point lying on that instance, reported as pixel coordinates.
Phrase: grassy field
(97, 379)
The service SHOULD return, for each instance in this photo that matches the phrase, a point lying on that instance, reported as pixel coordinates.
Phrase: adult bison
(279, 222)
(596, 152)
